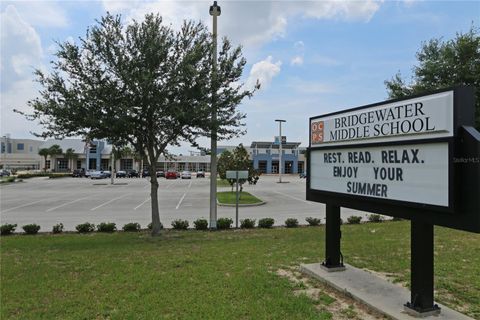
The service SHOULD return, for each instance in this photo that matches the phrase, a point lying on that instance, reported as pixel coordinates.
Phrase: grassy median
(229, 197)
(212, 275)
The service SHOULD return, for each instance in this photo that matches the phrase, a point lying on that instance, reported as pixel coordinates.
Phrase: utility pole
(280, 150)
(214, 12)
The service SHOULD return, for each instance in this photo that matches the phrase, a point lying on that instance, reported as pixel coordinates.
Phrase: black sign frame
(460, 213)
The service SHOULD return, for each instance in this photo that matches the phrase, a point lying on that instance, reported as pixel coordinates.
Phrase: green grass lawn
(229, 197)
(212, 275)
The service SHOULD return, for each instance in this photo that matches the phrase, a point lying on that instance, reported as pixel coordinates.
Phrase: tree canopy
(142, 84)
(443, 64)
(237, 160)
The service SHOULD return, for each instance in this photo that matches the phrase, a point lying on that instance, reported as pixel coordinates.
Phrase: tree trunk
(154, 199)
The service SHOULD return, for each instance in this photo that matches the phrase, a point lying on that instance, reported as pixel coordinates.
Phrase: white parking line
(104, 204)
(141, 204)
(295, 198)
(65, 204)
(183, 197)
(23, 205)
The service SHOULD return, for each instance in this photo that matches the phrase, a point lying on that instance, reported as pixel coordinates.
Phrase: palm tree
(70, 155)
(54, 151)
(44, 152)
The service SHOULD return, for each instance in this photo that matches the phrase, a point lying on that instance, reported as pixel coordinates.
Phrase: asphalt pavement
(76, 200)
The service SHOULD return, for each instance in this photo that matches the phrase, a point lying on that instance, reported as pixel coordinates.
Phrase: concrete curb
(378, 294)
(241, 204)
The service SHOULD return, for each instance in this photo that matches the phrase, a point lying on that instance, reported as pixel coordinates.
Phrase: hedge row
(179, 224)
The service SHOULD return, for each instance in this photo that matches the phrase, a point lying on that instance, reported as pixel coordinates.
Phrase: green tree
(54, 151)
(239, 159)
(70, 156)
(443, 64)
(44, 152)
(143, 84)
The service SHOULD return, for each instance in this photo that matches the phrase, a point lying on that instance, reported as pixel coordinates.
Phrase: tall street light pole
(214, 12)
(280, 150)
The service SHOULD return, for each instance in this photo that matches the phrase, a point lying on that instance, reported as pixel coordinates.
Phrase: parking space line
(295, 198)
(183, 197)
(141, 204)
(23, 205)
(104, 204)
(65, 204)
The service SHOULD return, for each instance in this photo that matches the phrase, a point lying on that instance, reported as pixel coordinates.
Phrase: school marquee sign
(397, 154)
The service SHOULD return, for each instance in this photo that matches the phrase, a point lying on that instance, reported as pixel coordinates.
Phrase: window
(62, 164)
(126, 164)
(47, 164)
(268, 151)
(20, 146)
(3, 147)
(93, 148)
(9, 147)
(31, 149)
(293, 151)
(105, 164)
(79, 164)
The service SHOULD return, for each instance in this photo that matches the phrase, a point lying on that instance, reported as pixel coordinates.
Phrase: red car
(171, 174)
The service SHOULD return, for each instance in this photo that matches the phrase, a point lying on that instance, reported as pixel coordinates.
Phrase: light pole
(214, 12)
(280, 150)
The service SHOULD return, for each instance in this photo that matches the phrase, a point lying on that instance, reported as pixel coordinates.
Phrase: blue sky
(312, 57)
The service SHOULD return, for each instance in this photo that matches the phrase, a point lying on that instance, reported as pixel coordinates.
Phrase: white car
(186, 175)
(98, 175)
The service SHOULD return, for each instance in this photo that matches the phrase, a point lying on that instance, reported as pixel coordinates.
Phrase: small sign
(232, 174)
(277, 140)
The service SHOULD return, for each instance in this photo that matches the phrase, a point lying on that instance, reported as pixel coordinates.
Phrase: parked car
(178, 174)
(132, 173)
(78, 173)
(4, 173)
(186, 175)
(88, 173)
(108, 174)
(171, 174)
(98, 175)
(160, 174)
(145, 173)
(303, 175)
(121, 174)
(200, 174)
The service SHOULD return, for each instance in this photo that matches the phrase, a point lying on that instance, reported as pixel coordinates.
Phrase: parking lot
(76, 200)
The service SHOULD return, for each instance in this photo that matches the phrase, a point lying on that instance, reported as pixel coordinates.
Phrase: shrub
(107, 227)
(224, 223)
(6, 229)
(291, 223)
(313, 221)
(180, 224)
(354, 219)
(85, 227)
(201, 224)
(8, 179)
(58, 228)
(375, 218)
(131, 227)
(266, 222)
(247, 223)
(31, 228)
(149, 226)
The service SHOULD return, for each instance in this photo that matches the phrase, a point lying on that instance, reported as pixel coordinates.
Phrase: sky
(311, 57)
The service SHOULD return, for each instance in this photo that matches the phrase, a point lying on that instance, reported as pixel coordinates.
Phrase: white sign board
(425, 117)
(414, 173)
(242, 174)
(359, 152)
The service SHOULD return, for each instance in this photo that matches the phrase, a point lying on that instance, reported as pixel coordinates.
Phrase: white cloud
(250, 23)
(299, 45)
(42, 13)
(21, 53)
(296, 61)
(264, 71)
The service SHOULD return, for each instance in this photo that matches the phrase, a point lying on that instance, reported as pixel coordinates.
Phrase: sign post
(415, 158)
(235, 174)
